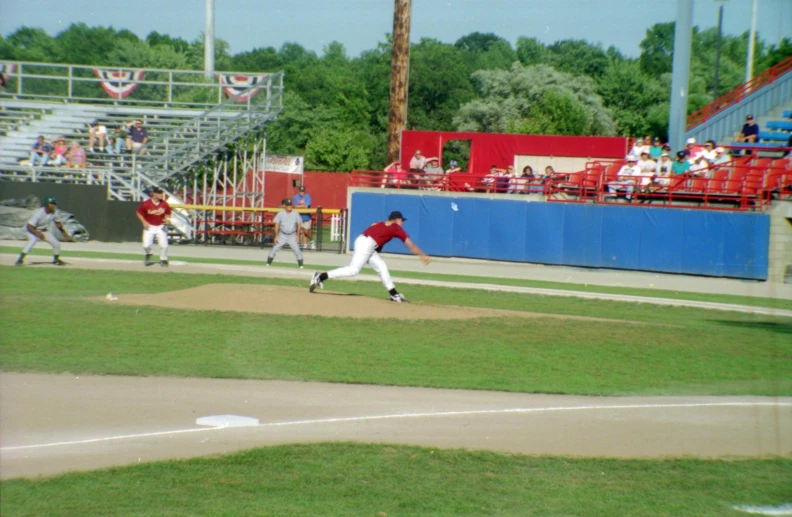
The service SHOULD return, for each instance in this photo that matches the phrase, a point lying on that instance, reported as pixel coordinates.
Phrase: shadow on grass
(773, 326)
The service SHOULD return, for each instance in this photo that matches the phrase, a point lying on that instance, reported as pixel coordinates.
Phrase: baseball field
(465, 401)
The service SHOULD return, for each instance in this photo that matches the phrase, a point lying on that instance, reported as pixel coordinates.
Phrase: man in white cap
(626, 177)
(39, 227)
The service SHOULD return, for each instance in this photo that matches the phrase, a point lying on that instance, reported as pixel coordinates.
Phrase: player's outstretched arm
(415, 249)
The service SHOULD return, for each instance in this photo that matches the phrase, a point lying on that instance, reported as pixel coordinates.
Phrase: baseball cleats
(398, 298)
(58, 262)
(147, 261)
(19, 262)
(164, 263)
(315, 281)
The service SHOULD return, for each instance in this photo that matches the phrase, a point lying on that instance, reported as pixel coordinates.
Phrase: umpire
(288, 225)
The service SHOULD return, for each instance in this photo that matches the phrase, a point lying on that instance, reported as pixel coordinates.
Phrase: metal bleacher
(189, 117)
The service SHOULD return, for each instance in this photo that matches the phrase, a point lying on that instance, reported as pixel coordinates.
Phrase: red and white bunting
(7, 68)
(235, 84)
(119, 83)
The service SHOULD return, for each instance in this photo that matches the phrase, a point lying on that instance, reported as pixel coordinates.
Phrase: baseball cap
(302, 188)
(749, 117)
(665, 153)
(720, 150)
(156, 190)
(287, 202)
(690, 140)
(631, 158)
(396, 215)
(50, 200)
(453, 163)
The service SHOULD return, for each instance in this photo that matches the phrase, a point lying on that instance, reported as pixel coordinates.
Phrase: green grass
(666, 350)
(376, 480)
(777, 303)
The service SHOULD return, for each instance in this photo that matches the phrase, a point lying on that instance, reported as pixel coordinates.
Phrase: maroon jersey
(382, 233)
(154, 213)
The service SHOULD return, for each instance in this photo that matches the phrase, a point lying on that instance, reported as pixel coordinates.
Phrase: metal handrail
(70, 77)
(739, 93)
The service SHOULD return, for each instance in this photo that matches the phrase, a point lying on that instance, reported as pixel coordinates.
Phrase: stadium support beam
(209, 38)
(677, 118)
(400, 76)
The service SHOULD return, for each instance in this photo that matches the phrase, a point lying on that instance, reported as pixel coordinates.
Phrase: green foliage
(600, 92)
(535, 99)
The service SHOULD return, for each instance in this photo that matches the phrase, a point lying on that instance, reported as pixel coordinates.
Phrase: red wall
(499, 149)
(327, 189)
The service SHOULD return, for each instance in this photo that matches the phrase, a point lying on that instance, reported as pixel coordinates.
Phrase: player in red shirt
(368, 246)
(154, 214)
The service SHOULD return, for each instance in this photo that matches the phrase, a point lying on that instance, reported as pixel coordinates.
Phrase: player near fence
(154, 213)
(303, 200)
(39, 227)
(368, 246)
(288, 226)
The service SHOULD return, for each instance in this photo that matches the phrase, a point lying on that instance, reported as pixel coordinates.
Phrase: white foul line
(410, 415)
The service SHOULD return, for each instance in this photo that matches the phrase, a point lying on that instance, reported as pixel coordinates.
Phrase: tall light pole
(209, 39)
(751, 42)
(717, 49)
(680, 73)
(400, 74)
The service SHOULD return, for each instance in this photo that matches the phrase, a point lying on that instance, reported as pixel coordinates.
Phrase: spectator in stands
(504, 179)
(681, 165)
(303, 200)
(40, 151)
(699, 165)
(454, 167)
(138, 136)
(646, 164)
(663, 171)
(395, 176)
(417, 162)
(656, 149)
(490, 181)
(59, 151)
(76, 156)
(750, 131)
(98, 132)
(720, 156)
(549, 173)
(532, 184)
(118, 138)
(691, 149)
(434, 172)
(3, 82)
(707, 152)
(626, 177)
(641, 144)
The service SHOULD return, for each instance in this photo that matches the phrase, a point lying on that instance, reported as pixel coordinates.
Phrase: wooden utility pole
(400, 75)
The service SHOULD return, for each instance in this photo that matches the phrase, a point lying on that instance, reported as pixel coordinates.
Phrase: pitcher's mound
(298, 301)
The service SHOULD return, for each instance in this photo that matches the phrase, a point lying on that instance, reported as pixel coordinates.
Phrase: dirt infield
(268, 299)
(59, 423)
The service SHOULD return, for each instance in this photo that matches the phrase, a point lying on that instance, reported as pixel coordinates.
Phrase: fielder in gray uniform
(39, 227)
(288, 225)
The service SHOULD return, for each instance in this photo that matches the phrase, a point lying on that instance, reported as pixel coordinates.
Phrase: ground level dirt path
(58, 423)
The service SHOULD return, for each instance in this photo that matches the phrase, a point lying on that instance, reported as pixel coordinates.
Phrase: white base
(227, 421)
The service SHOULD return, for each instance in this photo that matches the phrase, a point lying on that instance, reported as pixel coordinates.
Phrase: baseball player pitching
(39, 227)
(288, 225)
(154, 213)
(368, 246)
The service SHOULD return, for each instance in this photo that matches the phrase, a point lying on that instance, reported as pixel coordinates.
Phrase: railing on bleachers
(738, 94)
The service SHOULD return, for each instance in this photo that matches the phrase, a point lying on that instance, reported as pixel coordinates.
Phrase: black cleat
(164, 263)
(147, 261)
(398, 298)
(58, 262)
(19, 263)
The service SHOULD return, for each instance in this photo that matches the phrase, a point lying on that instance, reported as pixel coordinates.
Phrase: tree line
(336, 106)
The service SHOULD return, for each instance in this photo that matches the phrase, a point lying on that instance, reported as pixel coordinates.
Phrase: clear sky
(361, 24)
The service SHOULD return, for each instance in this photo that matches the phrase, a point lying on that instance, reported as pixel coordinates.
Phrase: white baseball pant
(48, 236)
(365, 253)
(162, 240)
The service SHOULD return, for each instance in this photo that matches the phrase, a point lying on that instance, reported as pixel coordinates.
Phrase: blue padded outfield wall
(671, 240)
